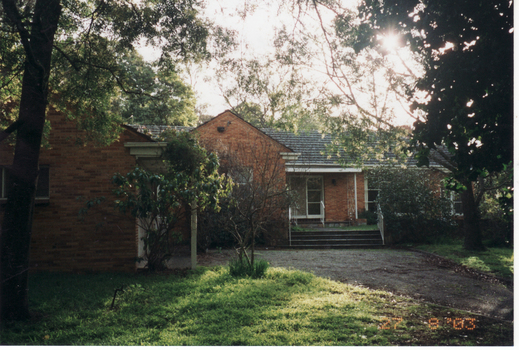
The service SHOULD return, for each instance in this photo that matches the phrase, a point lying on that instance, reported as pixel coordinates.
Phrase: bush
(371, 218)
(213, 230)
(412, 201)
(240, 267)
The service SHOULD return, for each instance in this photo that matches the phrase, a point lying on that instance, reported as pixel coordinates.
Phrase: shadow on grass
(209, 307)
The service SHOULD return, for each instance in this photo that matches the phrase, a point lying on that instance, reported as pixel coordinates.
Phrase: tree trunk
(471, 226)
(17, 224)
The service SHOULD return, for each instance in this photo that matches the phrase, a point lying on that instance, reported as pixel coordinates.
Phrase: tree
(158, 201)
(259, 197)
(465, 95)
(269, 94)
(162, 98)
(71, 48)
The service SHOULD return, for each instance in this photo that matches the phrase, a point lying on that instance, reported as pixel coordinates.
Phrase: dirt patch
(410, 273)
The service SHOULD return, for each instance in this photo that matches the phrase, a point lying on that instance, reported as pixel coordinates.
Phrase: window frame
(38, 199)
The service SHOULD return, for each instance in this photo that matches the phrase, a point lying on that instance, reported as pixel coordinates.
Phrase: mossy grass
(208, 306)
(495, 261)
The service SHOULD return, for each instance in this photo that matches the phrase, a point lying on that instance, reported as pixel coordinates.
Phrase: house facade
(102, 239)
(325, 192)
(70, 174)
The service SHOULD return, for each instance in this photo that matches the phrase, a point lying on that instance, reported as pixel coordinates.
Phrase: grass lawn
(210, 307)
(495, 261)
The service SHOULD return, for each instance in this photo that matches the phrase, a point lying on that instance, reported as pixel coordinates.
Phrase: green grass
(210, 307)
(495, 261)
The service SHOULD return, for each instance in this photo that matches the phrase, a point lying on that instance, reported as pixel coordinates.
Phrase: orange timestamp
(457, 323)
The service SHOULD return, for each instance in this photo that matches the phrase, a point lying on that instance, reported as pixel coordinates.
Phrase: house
(71, 174)
(104, 240)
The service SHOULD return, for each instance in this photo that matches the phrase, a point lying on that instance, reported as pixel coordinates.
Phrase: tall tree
(466, 48)
(73, 46)
(161, 98)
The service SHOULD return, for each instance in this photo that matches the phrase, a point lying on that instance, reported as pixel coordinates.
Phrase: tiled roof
(312, 145)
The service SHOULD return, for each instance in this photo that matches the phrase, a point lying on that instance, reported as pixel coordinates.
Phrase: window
(241, 175)
(42, 188)
(371, 195)
(372, 200)
(308, 196)
(457, 209)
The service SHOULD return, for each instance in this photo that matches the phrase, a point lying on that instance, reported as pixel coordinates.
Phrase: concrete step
(328, 238)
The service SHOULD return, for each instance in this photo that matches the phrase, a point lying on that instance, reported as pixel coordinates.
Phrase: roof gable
(224, 120)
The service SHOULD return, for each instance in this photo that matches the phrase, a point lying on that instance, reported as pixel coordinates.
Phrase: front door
(308, 193)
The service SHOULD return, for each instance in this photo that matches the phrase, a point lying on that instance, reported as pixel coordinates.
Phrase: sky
(255, 22)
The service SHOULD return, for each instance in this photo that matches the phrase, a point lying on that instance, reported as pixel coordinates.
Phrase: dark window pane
(314, 196)
(315, 183)
(314, 209)
(372, 195)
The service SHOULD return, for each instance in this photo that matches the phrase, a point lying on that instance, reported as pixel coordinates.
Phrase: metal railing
(380, 222)
(322, 210)
(290, 226)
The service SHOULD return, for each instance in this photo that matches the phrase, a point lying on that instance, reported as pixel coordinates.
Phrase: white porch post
(356, 206)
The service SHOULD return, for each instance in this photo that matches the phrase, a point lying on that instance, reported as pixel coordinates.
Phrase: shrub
(371, 218)
(412, 201)
(241, 267)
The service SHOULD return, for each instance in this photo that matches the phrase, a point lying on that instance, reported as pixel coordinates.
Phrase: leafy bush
(412, 201)
(241, 267)
(371, 218)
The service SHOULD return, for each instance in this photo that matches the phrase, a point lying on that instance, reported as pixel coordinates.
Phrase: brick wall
(339, 196)
(60, 241)
(238, 143)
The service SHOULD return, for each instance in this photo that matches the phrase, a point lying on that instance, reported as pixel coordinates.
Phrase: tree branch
(9, 130)
(15, 18)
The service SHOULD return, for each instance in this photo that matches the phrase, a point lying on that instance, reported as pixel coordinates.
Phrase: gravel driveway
(408, 273)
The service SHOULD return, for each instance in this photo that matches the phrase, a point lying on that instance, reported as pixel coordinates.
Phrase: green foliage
(414, 207)
(159, 200)
(151, 199)
(268, 94)
(160, 97)
(209, 307)
(371, 218)
(469, 106)
(241, 267)
(97, 77)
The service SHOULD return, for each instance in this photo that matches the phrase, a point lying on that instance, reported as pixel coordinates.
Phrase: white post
(355, 184)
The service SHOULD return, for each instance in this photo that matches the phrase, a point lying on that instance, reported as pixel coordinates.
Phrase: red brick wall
(239, 143)
(339, 198)
(339, 195)
(60, 241)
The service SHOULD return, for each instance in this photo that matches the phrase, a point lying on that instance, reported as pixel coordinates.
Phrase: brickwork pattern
(104, 240)
(239, 143)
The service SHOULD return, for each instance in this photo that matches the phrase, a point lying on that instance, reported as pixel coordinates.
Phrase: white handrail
(290, 226)
(380, 222)
(322, 208)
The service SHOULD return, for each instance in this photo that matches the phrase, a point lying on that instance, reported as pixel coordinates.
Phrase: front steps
(332, 238)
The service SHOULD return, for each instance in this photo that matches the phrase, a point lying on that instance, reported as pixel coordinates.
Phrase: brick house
(105, 241)
(69, 175)
(326, 191)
